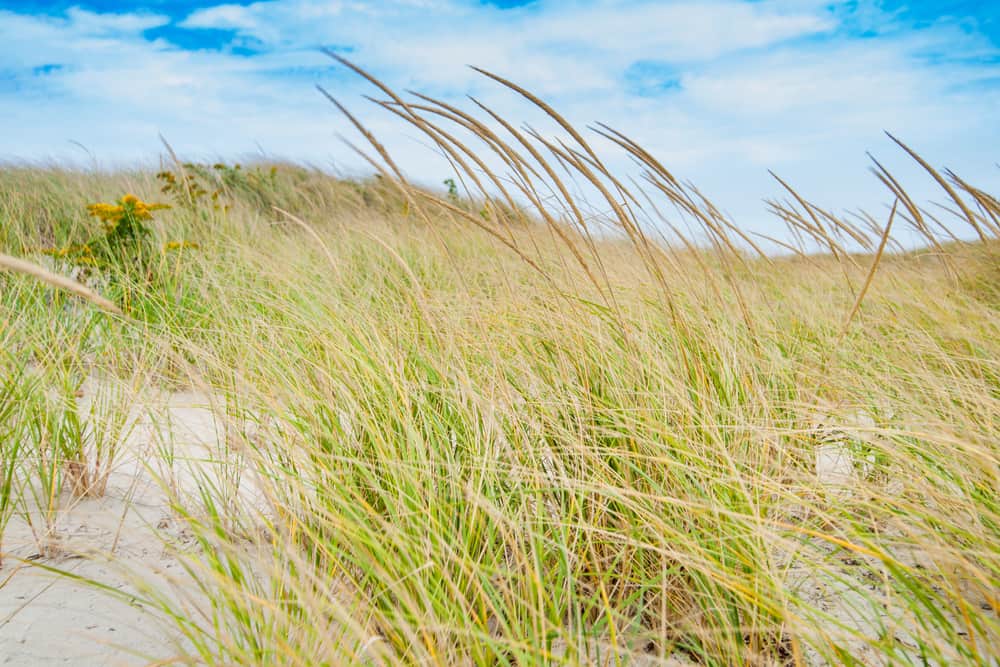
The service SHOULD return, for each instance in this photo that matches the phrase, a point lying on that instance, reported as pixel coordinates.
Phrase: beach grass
(518, 426)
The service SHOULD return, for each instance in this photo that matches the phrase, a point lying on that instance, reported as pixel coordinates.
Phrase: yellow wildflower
(179, 245)
(105, 212)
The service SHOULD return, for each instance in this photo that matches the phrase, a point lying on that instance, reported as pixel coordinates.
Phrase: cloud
(719, 90)
(112, 25)
(556, 48)
(225, 17)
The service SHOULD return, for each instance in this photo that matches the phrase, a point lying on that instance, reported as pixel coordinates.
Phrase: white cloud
(92, 23)
(225, 17)
(560, 47)
(680, 32)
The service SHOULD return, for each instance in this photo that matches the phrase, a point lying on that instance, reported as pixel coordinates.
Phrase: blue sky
(720, 90)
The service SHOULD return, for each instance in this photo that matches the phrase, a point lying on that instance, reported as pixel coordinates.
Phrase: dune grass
(485, 432)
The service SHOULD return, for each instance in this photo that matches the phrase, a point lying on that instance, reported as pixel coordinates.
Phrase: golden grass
(486, 433)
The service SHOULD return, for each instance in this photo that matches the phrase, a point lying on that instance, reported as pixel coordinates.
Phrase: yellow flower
(128, 206)
(179, 245)
(106, 212)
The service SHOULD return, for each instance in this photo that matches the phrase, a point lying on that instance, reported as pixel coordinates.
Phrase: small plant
(452, 190)
(10, 448)
(187, 188)
(125, 230)
(47, 437)
(199, 187)
(125, 238)
(93, 439)
(456, 200)
(123, 252)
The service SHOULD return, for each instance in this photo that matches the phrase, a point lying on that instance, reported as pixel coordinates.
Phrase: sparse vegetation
(480, 431)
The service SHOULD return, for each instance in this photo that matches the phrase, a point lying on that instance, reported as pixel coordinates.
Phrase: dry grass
(488, 433)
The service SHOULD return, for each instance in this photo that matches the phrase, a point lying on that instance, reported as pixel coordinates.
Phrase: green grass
(488, 437)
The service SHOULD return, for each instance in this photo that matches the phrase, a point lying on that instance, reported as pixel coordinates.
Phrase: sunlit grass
(484, 434)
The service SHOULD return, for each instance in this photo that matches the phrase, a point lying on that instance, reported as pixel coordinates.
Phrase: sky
(719, 90)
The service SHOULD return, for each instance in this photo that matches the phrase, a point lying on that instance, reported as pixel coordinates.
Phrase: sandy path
(49, 619)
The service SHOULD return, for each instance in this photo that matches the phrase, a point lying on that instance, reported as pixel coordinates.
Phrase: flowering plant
(123, 248)
(125, 232)
(125, 221)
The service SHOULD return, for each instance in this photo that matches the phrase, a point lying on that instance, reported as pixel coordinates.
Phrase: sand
(50, 619)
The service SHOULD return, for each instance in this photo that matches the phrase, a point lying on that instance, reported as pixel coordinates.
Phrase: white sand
(48, 619)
